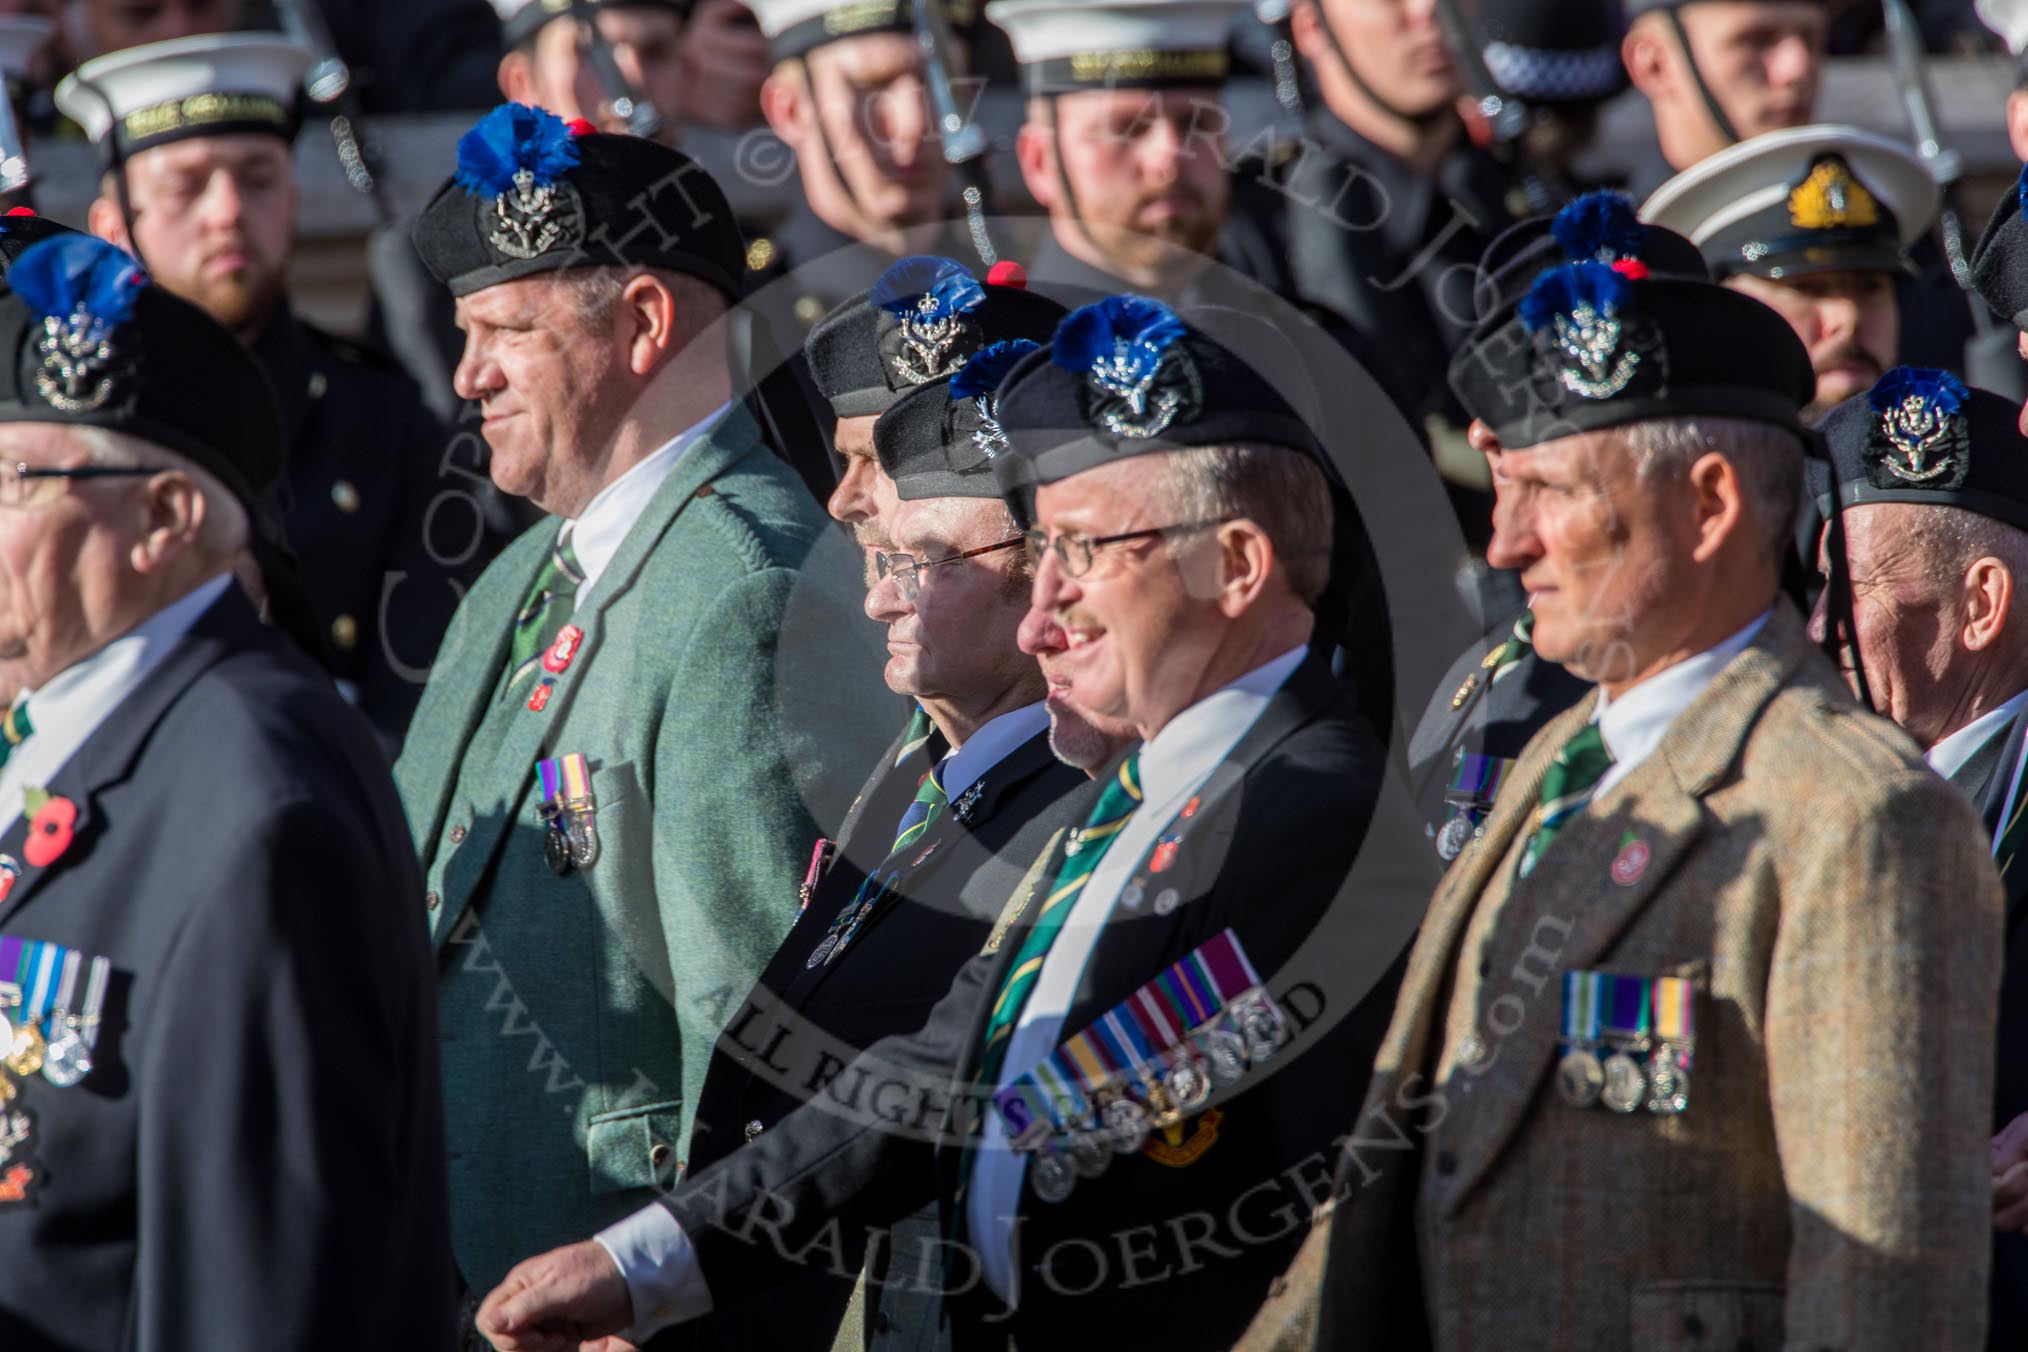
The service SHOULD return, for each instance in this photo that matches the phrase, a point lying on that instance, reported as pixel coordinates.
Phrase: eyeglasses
(906, 569)
(17, 481)
(1074, 553)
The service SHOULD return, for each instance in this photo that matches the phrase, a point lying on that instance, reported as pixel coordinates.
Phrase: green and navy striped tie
(1081, 856)
(547, 609)
(14, 730)
(1566, 789)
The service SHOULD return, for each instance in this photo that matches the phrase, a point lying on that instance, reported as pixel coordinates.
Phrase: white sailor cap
(1802, 200)
(1066, 45)
(795, 27)
(214, 84)
(521, 20)
(22, 36)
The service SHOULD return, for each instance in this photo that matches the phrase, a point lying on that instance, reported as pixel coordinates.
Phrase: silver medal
(1128, 1123)
(1668, 1082)
(1189, 1084)
(821, 952)
(1052, 1176)
(1579, 1078)
(1090, 1152)
(1626, 1088)
(68, 1058)
(1225, 1056)
(1451, 841)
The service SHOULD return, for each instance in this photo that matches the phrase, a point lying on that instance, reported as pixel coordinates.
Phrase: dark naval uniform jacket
(802, 1025)
(386, 537)
(1177, 1244)
(1482, 707)
(256, 1157)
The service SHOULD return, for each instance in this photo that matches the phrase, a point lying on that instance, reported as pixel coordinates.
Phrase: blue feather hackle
(1560, 291)
(1600, 227)
(1940, 388)
(983, 373)
(949, 284)
(1127, 334)
(2021, 190)
(511, 138)
(61, 277)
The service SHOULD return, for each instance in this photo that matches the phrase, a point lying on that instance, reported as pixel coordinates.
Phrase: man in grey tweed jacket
(1771, 1129)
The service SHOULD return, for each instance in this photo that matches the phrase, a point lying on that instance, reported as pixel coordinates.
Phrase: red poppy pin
(51, 821)
(10, 869)
(563, 649)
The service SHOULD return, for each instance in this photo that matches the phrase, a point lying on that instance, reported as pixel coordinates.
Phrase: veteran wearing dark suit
(646, 703)
(219, 1098)
(1922, 595)
(1674, 1064)
(200, 185)
(1179, 556)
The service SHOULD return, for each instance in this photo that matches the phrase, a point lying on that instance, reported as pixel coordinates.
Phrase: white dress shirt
(1173, 766)
(599, 530)
(1948, 756)
(71, 705)
(1634, 724)
(649, 1247)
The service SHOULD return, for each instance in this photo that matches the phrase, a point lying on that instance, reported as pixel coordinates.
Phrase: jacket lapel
(527, 737)
(1605, 868)
(108, 755)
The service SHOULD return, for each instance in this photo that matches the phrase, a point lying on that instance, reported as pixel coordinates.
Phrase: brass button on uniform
(345, 497)
(754, 1128)
(658, 1154)
(458, 835)
(345, 632)
(433, 901)
(809, 309)
(759, 254)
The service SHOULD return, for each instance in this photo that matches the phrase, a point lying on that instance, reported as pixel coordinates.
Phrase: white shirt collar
(989, 746)
(1634, 724)
(71, 705)
(599, 530)
(1948, 756)
(1194, 741)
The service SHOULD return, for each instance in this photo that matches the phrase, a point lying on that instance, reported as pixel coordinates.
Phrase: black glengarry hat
(940, 440)
(920, 323)
(1923, 436)
(2000, 259)
(533, 194)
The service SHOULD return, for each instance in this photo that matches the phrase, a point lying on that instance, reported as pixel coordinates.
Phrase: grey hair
(225, 531)
(1945, 541)
(1277, 489)
(1769, 460)
(594, 292)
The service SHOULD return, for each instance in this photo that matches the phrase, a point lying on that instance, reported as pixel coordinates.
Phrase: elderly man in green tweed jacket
(615, 772)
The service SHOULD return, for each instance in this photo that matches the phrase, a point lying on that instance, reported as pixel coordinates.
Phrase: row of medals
(1635, 1074)
(1121, 1125)
(572, 838)
(64, 1060)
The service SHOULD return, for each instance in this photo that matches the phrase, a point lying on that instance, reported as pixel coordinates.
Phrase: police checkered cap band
(1545, 73)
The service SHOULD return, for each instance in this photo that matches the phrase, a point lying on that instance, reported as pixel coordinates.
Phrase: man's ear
(1649, 59)
(785, 103)
(1233, 567)
(104, 219)
(516, 77)
(1988, 599)
(172, 516)
(1035, 152)
(1719, 505)
(649, 308)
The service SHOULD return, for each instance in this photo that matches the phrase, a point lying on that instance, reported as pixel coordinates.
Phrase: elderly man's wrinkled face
(544, 376)
(1142, 619)
(64, 546)
(864, 498)
(214, 217)
(951, 626)
(1906, 620)
(1599, 554)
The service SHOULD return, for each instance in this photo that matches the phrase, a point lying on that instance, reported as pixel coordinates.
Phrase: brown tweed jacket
(1827, 1188)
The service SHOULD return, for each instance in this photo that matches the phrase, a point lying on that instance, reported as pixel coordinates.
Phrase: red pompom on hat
(1007, 272)
(577, 126)
(21, 211)
(1633, 269)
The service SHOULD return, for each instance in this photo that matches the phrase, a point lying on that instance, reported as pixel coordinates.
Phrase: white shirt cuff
(660, 1267)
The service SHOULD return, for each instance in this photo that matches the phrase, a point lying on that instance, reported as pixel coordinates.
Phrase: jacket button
(1446, 1163)
(754, 1128)
(1693, 1325)
(881, 1322)
(658, 1154)
(345, 497)
(457, 835)
(433, 901)
(345, 632)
